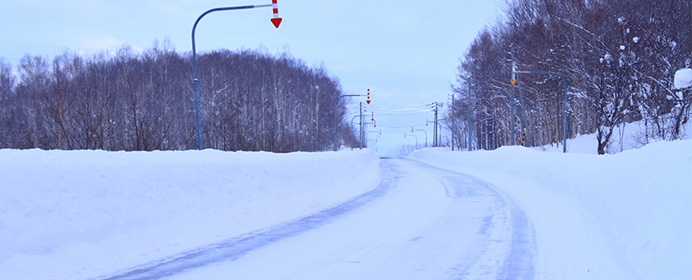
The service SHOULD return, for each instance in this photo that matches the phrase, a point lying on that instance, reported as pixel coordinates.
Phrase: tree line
(617, 58)
(250, 100)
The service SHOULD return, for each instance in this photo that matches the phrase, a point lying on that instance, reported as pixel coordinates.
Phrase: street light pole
(336, 103)
(426, 135)
(276, 20)
(414, 136)
(351, 134)
(367, 145)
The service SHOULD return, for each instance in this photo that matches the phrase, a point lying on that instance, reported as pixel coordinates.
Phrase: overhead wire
(418, 110)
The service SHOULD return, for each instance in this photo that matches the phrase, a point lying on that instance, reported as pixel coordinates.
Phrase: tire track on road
(236, 247)
(519, 260)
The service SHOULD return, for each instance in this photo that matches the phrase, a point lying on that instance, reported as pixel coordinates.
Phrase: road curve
(421, 222)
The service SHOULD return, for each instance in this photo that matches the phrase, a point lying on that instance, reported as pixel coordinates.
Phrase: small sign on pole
(276, 20)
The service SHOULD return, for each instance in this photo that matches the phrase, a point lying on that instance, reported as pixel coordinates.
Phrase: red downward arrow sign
(276, 22)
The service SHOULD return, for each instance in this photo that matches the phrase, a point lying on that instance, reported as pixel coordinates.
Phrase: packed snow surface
(636, 202)
(90, 214)
(82, 214)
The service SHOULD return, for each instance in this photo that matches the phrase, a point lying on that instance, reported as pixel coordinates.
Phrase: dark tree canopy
(251, 101)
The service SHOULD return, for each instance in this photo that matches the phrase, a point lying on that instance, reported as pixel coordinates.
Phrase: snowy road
(420, 223)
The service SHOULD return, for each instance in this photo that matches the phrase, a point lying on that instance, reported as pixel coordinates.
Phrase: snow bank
(81, 214)
(639, 199)
(683, 78)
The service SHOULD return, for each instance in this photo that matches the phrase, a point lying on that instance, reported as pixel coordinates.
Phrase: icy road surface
(421, 222)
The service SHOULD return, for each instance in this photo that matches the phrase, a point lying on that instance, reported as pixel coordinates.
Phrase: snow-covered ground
(83, 214)
(86, 214)
(636, 202)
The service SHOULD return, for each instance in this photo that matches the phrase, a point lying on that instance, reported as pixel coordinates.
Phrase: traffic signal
(368, 100)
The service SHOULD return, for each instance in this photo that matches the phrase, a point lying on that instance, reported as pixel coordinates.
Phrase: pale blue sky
(405, 51)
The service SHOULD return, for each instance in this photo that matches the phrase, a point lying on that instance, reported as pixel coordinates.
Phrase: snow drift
(81, 214)
(84, 214)
(638, 199)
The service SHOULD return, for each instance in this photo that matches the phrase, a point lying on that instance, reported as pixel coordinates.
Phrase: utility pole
(451, 117)
(361, 125)
(515, 84)
(435, 141)
(468, 113)
(468, 120)
(513, 81)
(564, 101)
(522, 115)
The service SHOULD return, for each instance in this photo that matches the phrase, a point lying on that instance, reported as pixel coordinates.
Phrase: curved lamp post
(276, 20)
(426, 135)
(336, 103)
(414, 136)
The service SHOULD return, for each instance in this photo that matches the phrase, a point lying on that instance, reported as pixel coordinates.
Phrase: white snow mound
(683, 78)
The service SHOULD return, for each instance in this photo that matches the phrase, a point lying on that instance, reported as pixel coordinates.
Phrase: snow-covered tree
(618, 58)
